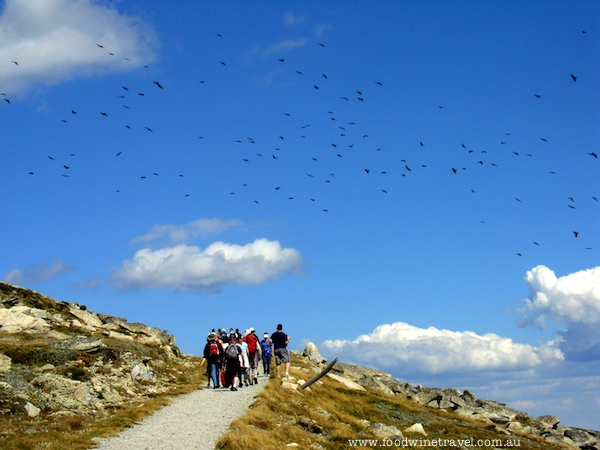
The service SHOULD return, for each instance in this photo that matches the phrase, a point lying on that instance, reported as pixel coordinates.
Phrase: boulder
(416, 428)
(312, 353)
(346, 382)
(32, 410)
(142, 373)
(13, 321)
(374, 383)
(81, 343)
(87, 317)
(551, 421)
(386, 431)
(5, 363)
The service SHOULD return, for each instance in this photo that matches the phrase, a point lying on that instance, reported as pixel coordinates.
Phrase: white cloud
(55, 40)
(290, 18)
(284, 46)
(183, 233)
(403, 348)
(38, 272)
(190, 268)
(87, 284)
(572, 300)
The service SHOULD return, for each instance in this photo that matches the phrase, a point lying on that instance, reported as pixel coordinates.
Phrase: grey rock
(551, 421)
(386, 431)
(32, 410)
(5, 363)
(312, 353)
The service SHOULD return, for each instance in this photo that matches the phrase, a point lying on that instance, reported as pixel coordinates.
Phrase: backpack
(214, 348)
(232, 351)
(252, 340)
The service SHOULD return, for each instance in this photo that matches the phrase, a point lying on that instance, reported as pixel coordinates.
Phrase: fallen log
(322, 374)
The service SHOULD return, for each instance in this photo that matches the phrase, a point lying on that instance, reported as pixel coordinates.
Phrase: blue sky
(412, 185)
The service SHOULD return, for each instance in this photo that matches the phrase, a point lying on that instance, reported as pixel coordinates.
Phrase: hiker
(266, 350)
(280, 341)
(213, 354)
(253, 355)
(233, 351)
(245, 362)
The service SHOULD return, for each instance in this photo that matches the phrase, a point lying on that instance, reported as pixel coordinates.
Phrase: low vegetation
(329, 416)
(78, 428)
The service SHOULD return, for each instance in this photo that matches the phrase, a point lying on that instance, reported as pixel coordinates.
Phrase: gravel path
(192, 421)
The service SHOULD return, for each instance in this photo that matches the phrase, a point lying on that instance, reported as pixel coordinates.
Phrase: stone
(81, 391)
(32, 410)
(87, 317)
(551, 421)
(142, 373)
(290, 386)
(46, 368)
(373, 383)
(312, 353)
(346, 382)
(12, 321)
(386, 431)
(579, 436)
(137, 328)
(416, 428)
(5, 363)
(81, 343)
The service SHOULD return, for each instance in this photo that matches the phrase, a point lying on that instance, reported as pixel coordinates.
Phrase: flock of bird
(349, 137)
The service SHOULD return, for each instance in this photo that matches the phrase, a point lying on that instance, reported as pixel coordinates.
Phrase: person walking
(233, 354)
(213, 355)
(266, 350)
(280, 341)
(253, 355)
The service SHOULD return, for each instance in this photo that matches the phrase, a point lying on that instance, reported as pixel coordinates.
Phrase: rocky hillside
(60, 358)
(492, 415)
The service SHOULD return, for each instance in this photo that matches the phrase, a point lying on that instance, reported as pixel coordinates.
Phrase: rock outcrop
(58, 357)
(493, 414)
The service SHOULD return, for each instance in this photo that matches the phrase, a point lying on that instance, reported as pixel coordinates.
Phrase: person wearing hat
(266, 350)
(213, 354)
(233, 353)
(253, 351)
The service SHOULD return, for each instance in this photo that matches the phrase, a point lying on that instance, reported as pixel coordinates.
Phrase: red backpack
(214, 348)
(252, 342)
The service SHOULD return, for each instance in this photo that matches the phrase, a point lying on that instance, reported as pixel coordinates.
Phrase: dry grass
(78, 430)
(329, 415)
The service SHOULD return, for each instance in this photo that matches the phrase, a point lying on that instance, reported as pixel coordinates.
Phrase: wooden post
(322, 374)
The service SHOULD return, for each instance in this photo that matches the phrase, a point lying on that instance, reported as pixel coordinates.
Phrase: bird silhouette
(574, 77)
(158, 84)
(576, 233)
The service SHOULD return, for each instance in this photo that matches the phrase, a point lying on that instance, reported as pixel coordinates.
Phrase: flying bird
(574, 77)
(158, 84)
(593, 154)
(576, 233)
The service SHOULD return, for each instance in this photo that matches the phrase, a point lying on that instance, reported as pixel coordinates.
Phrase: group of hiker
(233, 358)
